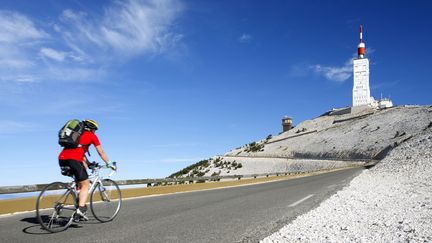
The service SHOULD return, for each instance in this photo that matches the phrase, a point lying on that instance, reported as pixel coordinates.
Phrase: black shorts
(77, 168)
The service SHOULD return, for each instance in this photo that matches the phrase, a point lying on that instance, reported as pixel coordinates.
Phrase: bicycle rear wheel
(105, 200)
(55, 207)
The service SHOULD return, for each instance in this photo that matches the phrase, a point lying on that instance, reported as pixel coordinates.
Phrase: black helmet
(90, 124)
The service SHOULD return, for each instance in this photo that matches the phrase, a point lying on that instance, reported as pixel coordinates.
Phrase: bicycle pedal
(78, 218)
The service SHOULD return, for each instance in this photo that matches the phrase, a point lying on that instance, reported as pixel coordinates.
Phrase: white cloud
(86, 44)
(15, 27)
(333, 73)
(15, 62)
(53, 54)
(19, 78)
(17, 36)
(18, 39)
(244, 38)
(126, 28)
(14, 57)
(69, 14)
(25, 79)
(337, 74)
(141, 25)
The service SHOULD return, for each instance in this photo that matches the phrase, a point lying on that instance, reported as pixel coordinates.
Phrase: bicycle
(58, 201)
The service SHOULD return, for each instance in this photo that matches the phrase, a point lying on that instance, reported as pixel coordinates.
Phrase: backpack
(69, 135)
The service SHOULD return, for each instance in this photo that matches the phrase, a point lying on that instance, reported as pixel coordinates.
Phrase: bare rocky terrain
(364, 135)
(338, 138)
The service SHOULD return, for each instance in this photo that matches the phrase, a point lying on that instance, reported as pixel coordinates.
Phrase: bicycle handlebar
(94, 165)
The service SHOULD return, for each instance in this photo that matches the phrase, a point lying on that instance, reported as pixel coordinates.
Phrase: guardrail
(292, 136)
(352, 118)
(164, 181)
(366, 160)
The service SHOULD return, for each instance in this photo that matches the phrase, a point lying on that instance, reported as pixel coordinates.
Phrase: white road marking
(301, 200)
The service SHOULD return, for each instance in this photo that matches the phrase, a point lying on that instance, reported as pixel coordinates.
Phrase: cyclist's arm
(102, 154)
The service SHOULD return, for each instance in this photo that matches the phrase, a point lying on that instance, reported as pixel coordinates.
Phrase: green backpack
(69, 135)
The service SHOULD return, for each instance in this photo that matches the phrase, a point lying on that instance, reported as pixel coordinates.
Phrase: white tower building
(361, 90)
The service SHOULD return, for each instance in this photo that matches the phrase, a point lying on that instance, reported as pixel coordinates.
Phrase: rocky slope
(365, 135)
(336, 139)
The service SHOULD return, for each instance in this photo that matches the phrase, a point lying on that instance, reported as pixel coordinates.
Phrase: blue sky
(173, 82)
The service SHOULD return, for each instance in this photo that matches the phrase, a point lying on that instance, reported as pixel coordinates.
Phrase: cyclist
(75, 159)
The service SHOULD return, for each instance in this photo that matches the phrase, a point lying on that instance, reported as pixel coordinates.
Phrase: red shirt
(86, 139)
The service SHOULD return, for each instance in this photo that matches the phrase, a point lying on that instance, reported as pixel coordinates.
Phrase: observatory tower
(361, 90)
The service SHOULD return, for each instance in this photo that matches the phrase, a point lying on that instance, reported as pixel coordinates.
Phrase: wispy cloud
(12, 60)
(81, 46)
(245, 38)
(53, 54)
(334, 73)
(17, 28)
(25, 79)
(126, 28)
(337, 74)
(17, 35)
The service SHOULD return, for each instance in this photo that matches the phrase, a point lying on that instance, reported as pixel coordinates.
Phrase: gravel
(391, 202)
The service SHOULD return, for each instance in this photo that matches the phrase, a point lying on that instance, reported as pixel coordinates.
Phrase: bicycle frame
(60, 219)
(95, 179)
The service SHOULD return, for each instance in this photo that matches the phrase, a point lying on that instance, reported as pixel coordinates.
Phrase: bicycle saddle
(66, 171)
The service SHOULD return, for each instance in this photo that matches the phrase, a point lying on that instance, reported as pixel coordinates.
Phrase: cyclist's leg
(83, 194)
(81, 177)
(82, 208)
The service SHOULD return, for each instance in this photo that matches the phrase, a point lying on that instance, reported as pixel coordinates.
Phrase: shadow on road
(32, 220)
(36, 229)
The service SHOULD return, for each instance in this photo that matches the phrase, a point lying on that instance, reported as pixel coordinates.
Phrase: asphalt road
(239, 214)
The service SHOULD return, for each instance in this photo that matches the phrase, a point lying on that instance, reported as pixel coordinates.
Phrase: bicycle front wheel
(105, 200)
(55, 207)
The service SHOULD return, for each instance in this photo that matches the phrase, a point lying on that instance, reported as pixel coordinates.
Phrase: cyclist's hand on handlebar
(112, 165)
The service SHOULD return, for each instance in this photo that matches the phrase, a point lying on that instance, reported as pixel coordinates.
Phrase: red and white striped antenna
(361, 45)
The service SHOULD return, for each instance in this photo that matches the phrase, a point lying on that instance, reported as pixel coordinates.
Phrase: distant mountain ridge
(335, 139)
